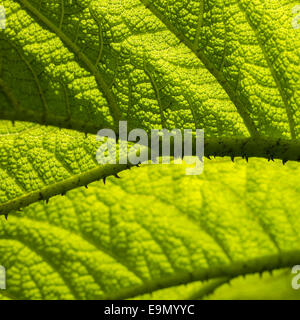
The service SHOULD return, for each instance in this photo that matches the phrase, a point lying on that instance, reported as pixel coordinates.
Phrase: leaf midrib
(239, 268)
(258, 147)
(61, 187)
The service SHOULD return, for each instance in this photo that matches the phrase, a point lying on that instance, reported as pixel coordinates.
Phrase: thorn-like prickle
(86, 187)
(104, 180)
(284, 162)
(116, 175)
(47, 200)
(232, 158)
(6, 215)
(246, 158)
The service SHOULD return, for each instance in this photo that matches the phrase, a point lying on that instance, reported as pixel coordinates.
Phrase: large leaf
(231, 67)
(158, 229)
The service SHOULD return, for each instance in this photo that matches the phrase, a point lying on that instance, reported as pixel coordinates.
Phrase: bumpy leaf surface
(231, 67)
(259, 287)
(127, 238)
(38, 162)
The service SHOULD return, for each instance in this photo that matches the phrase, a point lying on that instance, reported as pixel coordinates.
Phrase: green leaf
(230, 67)
(38, 162)
(259, 287)
(127, 238)
(251, 49)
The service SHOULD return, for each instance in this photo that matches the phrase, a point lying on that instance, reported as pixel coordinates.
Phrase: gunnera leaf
(230, 67)
(126, 238)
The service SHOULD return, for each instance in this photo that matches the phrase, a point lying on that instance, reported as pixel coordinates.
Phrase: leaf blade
(119, 231)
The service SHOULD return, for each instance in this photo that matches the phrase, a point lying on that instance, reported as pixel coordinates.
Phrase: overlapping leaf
(127, 238)
(231, 67)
